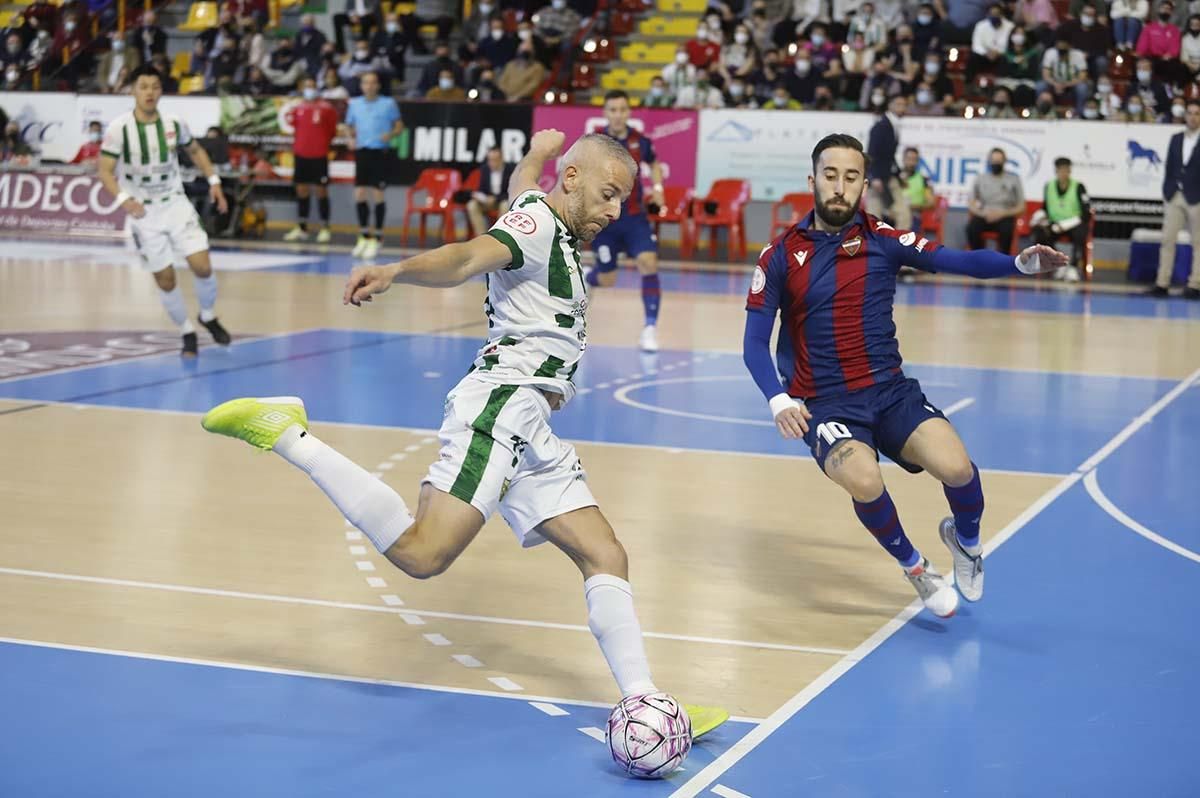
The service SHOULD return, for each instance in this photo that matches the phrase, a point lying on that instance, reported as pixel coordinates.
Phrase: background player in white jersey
(139, 165)
(498, 451)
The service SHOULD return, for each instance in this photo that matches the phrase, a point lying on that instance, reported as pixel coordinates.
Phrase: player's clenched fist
(365, 282)
(548, 142)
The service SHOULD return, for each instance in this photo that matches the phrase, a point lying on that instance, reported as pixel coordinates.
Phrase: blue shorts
(629, 234)
(882, 416)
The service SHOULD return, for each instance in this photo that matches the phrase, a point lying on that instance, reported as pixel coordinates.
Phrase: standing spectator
(1088, 35)
(1160, 40)
(499, 47)
(989, 41)
(1181, 192)
(927, 30)
(310, 43)
(557, 25)
(1064, 72)
(429, 12)
(314, 121)
(89, 151)
(997, 199)
(521, 77)
(679, 74)
(885, 197)
(702, 51)
(361, 16)
(657, 96)
(373, 121)
(146, 40)
(446, 90)
(1127, 17)
(492, 194)
(1065, 211)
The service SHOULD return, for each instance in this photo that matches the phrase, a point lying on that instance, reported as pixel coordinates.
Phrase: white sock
(172, 301)
(614, 623)
(366, 502)
(206, 292)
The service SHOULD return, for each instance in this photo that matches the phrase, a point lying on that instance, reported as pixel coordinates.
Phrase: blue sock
(593, 277)
(966, 504)
(880, 519)
(651, 297)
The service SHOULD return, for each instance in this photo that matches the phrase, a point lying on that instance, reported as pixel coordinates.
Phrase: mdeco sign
(58, 204)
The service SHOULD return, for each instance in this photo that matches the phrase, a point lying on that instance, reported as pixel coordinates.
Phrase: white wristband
(214, 180)
(122, 198)
(780, 402)
(1032, 265)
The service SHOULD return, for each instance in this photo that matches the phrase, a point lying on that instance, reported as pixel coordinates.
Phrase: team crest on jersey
(852, 245)
(908, 238)
(759, 281)
(521, 222)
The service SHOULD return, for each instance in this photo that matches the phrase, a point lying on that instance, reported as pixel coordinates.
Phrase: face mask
(1091, 113)
(714, 23)
(95, 135)
(780, 102)
(1000, 102)
(1177, 111)
(761, 13)
(118, 45)
(1087, 20)
(1105, 89)
(681, 58)
(802, 68)
(445, 84)
(817, 40)
(1063, 52)
(559, 5)
(485, 9)
(497, 34)
(924, 19)
(996, 168)
(362, 55)
(12, 75)
(656, 91)
(1143, 76)
(877, 99)
(702, 34)
(1044, 107)
(904, 40)
(741, 38)
(14, 48)
(310, 93)
(995, 21)
(1018, 39)
(1135, 109)
(932, 67)
(69, 25)
(924, 98)
(737, 90)
(391, 27)
(524, 55)
(525, 35)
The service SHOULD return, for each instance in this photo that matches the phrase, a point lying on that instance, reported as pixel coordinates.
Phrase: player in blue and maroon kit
(631, 233)
(832, 281)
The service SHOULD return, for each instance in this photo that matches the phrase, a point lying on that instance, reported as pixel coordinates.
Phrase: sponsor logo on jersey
(852, 246)
(924, 242)
(521, 222)
(801, 256)
(759, 281)
(908, 238)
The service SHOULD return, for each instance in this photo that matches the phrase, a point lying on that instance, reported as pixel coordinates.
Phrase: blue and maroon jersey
(642, 150)
(834, 293)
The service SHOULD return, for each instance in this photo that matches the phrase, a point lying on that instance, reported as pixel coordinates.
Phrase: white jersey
(537, 306)
(147, 161)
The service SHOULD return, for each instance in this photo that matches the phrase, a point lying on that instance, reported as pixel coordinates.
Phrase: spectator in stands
(680, 73)
(492, 194)
(41, 16)
(557, 25)
(927, 30)
(485, 88)
(1064, 72)
(1189, 49)
(1177, 113)
(255, 83)
(657, 96)
(476, 27)
(997, 199)
(310, 43)
(871, 26)
(1038, 18)
(857, 61)
(760, 26)
(146, 40)
(253, 45)
(89, 151)
(113, 63)
(522, 76)
(1044, 107)
(826, 54)
(1127, 17)
(429, 12)
(768, 74)
(782, 101)
(389, 46)
(962, 17)
(362, 17)
(1001, 106)
(169, 84)
(736, 95)
(1110, 100)
(989, 41)
(431, 70)
(499, 47)
(282, 68)
(1065, 211)
(739, 58)
(256, 10)
(223, 68)
(1022, 67)
(359, 63)
(700, 95)
(934, 72)
(1091, 110)
(904, 63)
(925, 101)
(527, 33)
(70, 49)
(1137, 111)
(226, 29)
(16, 79)
(878, 88)
(795, 26)
(1181, 194)
(802, 81)
(702, 52)
(1152, 90)
(332, 88)
(446, 90)
(200, 59)
(14, 51)
(916, 186)
(1091, 37)
(1160, 40)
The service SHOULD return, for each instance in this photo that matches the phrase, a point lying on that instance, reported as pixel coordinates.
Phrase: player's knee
(606, 556)
(165, 279)
(416, 557)
(958, 472)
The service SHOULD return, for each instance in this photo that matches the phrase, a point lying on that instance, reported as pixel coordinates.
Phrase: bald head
(598, 151)
(597, 174)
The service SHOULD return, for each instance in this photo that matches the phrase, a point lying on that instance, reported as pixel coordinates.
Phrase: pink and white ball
(649, 735)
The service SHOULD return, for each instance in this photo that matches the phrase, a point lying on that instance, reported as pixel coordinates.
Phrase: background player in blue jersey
(632, 233)
(832, 280)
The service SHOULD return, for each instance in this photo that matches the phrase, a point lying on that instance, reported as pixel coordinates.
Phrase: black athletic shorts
(311, 171)
(374, 168)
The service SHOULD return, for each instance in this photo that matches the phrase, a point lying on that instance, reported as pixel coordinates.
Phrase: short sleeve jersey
(147, 154)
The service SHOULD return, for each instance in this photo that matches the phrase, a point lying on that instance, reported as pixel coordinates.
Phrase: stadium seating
(723, 208)
(201, 16)
(438, 187)
(794, 207)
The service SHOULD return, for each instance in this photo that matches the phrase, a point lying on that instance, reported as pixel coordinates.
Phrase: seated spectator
(1189, 49)
(89, 151)
(904, 64)
(253, 45)
(169, 84)
(116, 60)
(857, 61)
(214, 38)
(390, 45)
(760, 26)
(309, 44)
(499, 47)
(522, 76)
(200, 61)
(362, 17)
(13, 147)
(826, 54)
(871, 26)
(700, 95)
(1064, 72)
(492, 195)
(1045, 107)
(485, 89)
(332, 88)
(915, 185)
(701, 50)
(1091, 109)
(1127, 17)
(802, 82)
(14, 51)
(360, 62)
(557, 25)
(782, 101)
(1066, 211)
(41, 16)
(1136, 111)
(1091, 37)
(1001, 106)
(446, 90)
(1038, 18)
(934, 72)
(283, 68)
(739, 58)
(527, 33)
(431, 70)
(40, 49)
(997, 199)
(1022, 67)
(878, 88)
(1177, 112)
(679, 74)
(429, 12)
(1160, 40)
(145, 41)
(927, 30)
(476, 27)
(657, 95)
(989, 41)
(1110, 100)
(797, 23)
(736, 96)
(255, 83)
(70, 49)
(925, 101)
(1152, 90)
(223, 68)
(763, 80)
(256, 10)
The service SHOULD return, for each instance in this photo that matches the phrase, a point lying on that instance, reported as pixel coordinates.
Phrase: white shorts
(168, 233)
(498, 452)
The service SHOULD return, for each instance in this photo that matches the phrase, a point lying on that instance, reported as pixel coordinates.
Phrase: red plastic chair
(933, 220)
(676, 203)
(472, 184)
(438, 186)
(730, 196)
(796, 206)
(1020, 230)
(1088, 246)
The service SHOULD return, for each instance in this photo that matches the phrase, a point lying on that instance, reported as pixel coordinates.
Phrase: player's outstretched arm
(448, 265)
(791, 417)
(545, 146)
(981, 263)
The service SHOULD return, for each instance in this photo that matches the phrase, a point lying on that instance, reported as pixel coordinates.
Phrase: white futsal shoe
(968, 568)
(648, 342)
(936, 592)
(371, 249)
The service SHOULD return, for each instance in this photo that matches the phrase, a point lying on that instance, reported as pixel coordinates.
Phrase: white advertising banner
(773, 150)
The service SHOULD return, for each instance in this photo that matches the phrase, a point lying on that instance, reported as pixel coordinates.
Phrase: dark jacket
(1178, 173)
(881, 149)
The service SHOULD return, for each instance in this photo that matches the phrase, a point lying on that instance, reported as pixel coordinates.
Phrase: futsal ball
(649, 735)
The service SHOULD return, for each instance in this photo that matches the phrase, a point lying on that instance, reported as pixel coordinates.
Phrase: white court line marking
(427, 441)
(603, 385)
(377, 474)
(504, 683)
(412, 620)
(727, 792)
(961, 404)
(550, 709)
(398, 456)
(385, 466)
(357, 551)
(776, 719)
(594, 733)
(412, 447)
(437, 640)
(353, 534)
(364, 565)
(376, 582)
(1093, 488)
(453, 616)
(391, 600)
(466, 660)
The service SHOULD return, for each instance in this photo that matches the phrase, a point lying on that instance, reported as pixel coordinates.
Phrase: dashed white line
(427, 441)
(466, 660)
(412, 620)
(602, 386)
(504, 683)
(376, 582)
(431, 375)
(550, 709)
(620, 381)
(412, 447)
(437, 640)
(593, 732)
(727, 792)
(377, 474)
(353, 534)
(357, 551)
(364, 565)
(391, 600)
(398, 456)
(385, 466)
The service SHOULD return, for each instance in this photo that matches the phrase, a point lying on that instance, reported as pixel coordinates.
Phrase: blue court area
(1066, 680)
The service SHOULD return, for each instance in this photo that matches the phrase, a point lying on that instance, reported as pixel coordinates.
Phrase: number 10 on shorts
(833, 431)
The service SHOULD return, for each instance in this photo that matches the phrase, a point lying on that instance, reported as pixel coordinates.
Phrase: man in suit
(1181, 195)
(887, 198)
(494, 175)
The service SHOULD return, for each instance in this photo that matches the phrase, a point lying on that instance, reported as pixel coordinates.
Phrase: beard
(577, 220)
(838, 215)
